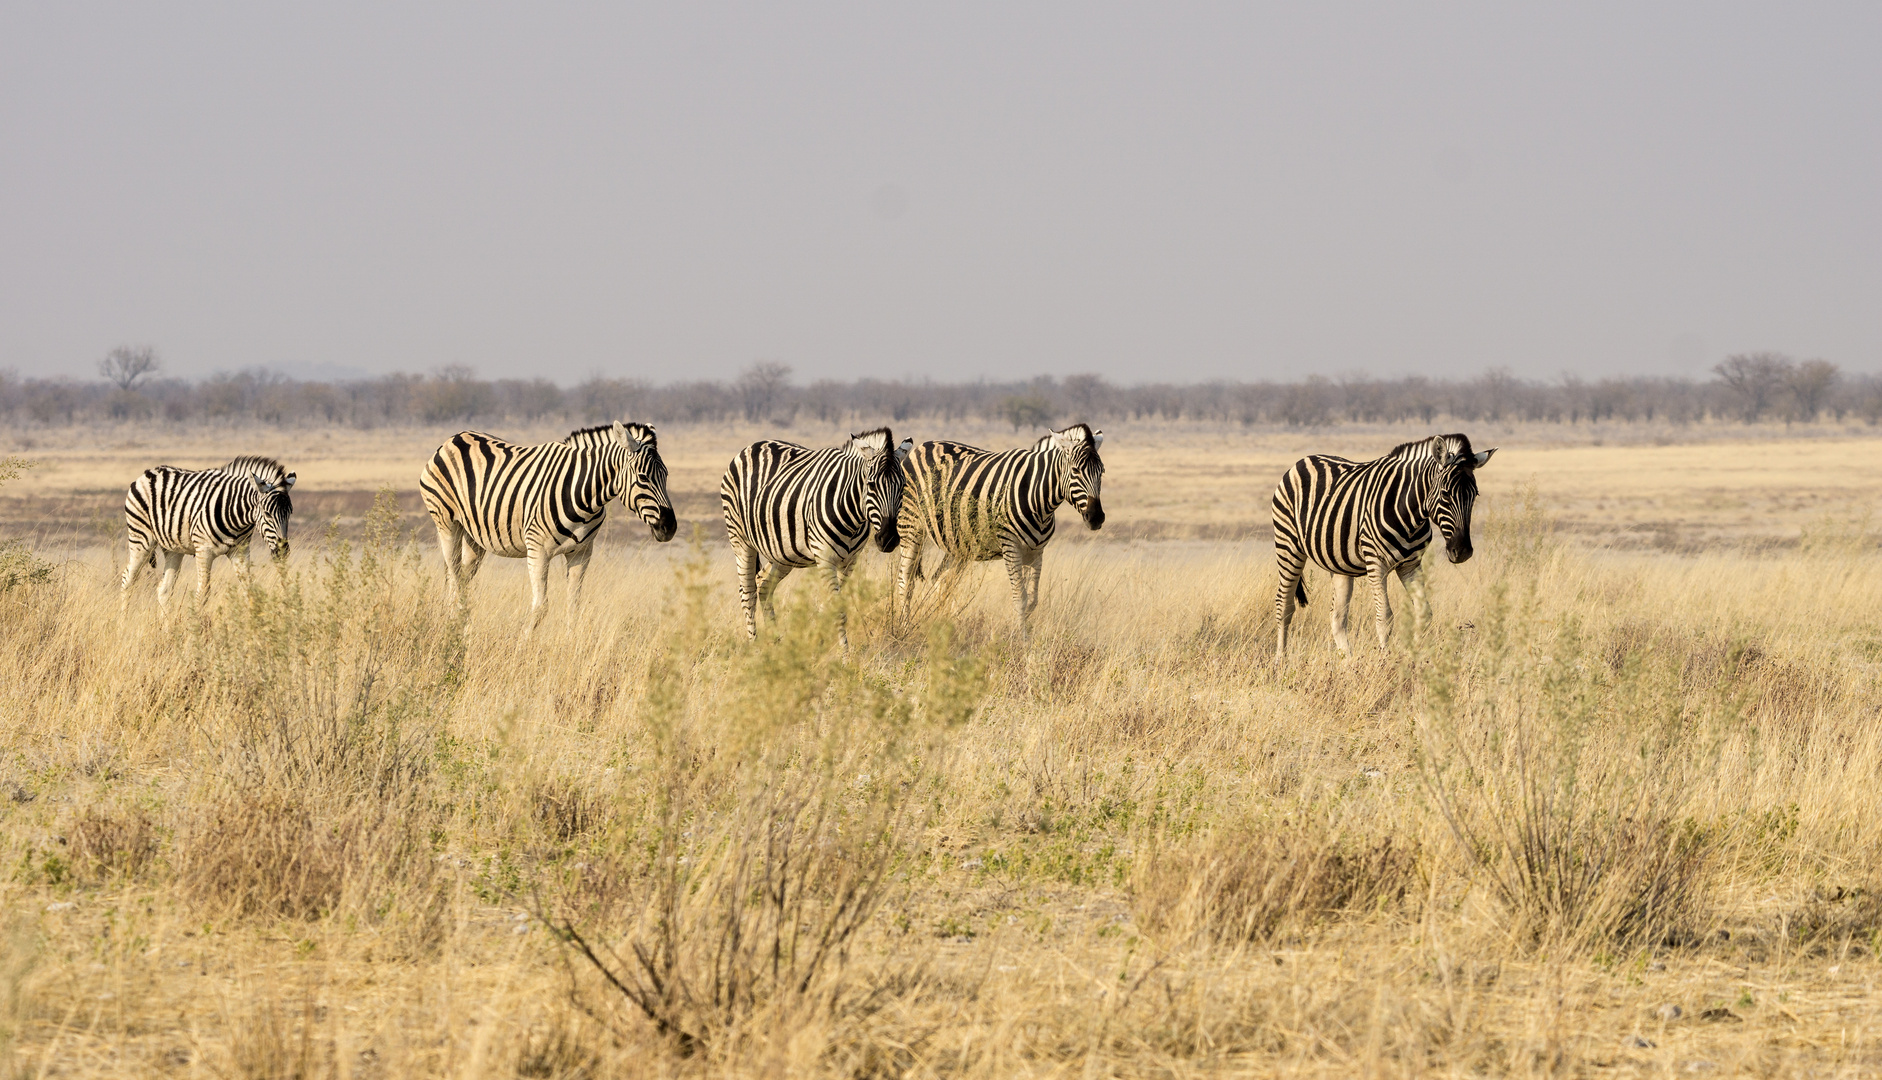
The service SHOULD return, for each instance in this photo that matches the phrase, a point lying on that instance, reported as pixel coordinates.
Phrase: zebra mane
(1437, 447)
(265, 469)
(601, 433)
(875, 441)
(1457, 444)
(1080, 431)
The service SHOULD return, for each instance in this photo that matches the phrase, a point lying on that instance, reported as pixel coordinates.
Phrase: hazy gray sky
(1144, 191)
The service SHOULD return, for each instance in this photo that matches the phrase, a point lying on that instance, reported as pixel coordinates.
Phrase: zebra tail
(1300, 592)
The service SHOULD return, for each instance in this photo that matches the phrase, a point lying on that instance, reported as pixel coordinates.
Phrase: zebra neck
(1051, 488)
(609, 478)
(1424, 485)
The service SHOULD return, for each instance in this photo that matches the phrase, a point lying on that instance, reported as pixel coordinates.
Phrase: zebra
(979, 505)
(788, 506)
(1372, 518)
(175, 512)
(486, 495)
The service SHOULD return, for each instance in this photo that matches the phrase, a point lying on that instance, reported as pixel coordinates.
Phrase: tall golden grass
(1606, 811)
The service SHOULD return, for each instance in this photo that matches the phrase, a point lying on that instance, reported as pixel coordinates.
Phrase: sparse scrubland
(1614, 812)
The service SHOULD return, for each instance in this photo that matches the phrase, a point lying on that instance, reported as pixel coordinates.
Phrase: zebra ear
(288, 481)
(1483, 458)
(1097, 439)
(619, 431)
(901, 451)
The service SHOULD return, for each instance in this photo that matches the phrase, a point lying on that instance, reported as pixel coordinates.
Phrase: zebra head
(273, 508)
(645, 493)
(1455, 493)
(882, 458)
(1081, 471)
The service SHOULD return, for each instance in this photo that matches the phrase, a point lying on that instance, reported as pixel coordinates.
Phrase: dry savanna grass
(1614, 812)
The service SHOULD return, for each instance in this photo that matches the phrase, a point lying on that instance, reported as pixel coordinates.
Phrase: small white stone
(521, 916)
(520, 928)
(61, 905)
(1669, 1012)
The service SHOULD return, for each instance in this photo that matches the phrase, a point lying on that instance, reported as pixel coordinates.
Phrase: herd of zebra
(788, 507)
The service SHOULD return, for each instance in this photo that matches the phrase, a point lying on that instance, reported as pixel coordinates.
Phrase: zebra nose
(1094, 517)
(888, 537)
(668, 525)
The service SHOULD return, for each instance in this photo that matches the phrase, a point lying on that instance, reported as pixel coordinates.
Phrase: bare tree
(1084, 393)
(1026, 412)
(1809, 384)
(760, 386)
(1756, 378)
(124, 365)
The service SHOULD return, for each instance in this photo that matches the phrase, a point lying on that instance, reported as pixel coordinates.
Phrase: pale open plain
(1617, 811)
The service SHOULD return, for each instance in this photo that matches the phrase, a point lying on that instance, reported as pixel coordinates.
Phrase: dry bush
(1252, 881)
(784, 781)
(108, 844)
(563, 1049)
(333, 680)
(267, 854)
(564, 809)
(272, 1043)
(1839, 922)
(264, 854)
(1568, 790)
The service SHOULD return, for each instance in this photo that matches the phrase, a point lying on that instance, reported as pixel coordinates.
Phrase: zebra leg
(538, 560)
(1342, 596)
(1411, 575)
(908, 568)
(768, 580)
(1381, 606)
(139, 555)
(1029, 570)
(449, 537)
(473, 557)
(1016, 579)
(205, 561)
(1291, 570)
(577, 567)
(746, 561)
(172, 566)
(835, 574)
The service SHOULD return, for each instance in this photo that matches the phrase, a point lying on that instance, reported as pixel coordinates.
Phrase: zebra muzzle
(1094, 516)
(667, 525)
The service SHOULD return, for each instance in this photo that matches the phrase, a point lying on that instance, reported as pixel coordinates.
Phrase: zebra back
(973, 502)
(796, 506)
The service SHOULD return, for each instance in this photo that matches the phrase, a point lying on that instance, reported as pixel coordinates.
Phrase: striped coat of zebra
(788, 506)
(1369, 519)
(978, 505)
(172, 512)
(486, 495)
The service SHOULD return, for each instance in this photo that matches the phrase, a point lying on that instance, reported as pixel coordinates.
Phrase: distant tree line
(1749, 388)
